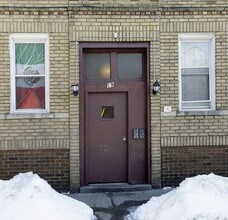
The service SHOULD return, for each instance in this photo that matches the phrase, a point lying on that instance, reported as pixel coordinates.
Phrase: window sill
(209, 112)
(35, 115)
(194, 113)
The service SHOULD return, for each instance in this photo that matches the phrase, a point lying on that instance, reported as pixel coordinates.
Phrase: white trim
(28, 38)
(199, 37)
(194, 113)
(196, 36)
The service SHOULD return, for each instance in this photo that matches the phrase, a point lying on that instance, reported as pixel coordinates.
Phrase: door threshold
(114, 187)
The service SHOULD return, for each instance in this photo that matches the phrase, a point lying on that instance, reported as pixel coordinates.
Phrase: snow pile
(27, 196)
(204, 197)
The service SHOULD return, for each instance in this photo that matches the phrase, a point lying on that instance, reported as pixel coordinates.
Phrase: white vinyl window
(197, 71)
(29, 67)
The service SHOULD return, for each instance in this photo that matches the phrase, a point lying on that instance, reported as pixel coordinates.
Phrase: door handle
(124, 139)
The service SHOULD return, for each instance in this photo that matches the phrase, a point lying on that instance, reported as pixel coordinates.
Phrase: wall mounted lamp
(75, 89)
(156, 87)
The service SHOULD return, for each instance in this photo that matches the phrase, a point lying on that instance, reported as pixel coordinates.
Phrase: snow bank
(204, 197)
(27, 196)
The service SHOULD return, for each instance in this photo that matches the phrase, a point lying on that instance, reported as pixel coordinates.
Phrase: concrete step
(114, 187)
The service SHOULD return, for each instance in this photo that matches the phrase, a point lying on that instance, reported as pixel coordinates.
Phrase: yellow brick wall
(33, 3)
(71, 22)
(36, 131)
(193, 3)
(196, 129)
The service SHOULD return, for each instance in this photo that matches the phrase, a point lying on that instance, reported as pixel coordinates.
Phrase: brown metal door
(106, 139)
(114, 103)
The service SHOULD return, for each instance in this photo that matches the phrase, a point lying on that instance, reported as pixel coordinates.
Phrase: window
(107, 112)
(97, 66)
(197, 71)
(29, 63)
(114, 64)
(130, 66)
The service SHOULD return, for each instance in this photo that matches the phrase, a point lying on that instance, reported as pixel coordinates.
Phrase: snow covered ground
(204, 197)
(28, 197)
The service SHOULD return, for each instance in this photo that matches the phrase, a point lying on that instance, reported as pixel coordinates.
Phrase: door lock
(124, 139)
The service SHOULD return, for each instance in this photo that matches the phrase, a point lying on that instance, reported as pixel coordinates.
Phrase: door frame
(83, 98)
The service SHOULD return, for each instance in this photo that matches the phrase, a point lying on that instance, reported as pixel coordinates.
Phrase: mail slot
(138, 133)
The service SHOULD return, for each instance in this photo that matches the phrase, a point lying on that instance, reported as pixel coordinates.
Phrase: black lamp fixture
(156, 87)
(75, 89)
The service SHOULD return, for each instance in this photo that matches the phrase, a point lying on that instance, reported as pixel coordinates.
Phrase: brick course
(179, 163)
(52, 165)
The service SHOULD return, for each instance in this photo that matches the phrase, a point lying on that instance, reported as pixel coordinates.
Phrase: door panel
(106, 148)
(138, 146)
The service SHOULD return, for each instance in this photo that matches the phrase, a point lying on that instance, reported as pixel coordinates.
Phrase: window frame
(199, 37)
(28, 38)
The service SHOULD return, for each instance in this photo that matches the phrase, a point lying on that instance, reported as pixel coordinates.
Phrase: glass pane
(130, 66)
(195, 54)
(107, 112)
(195, 71)
(97, 66)
(196, 105)
(195, 87)
(30, 59)
(30, 93)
